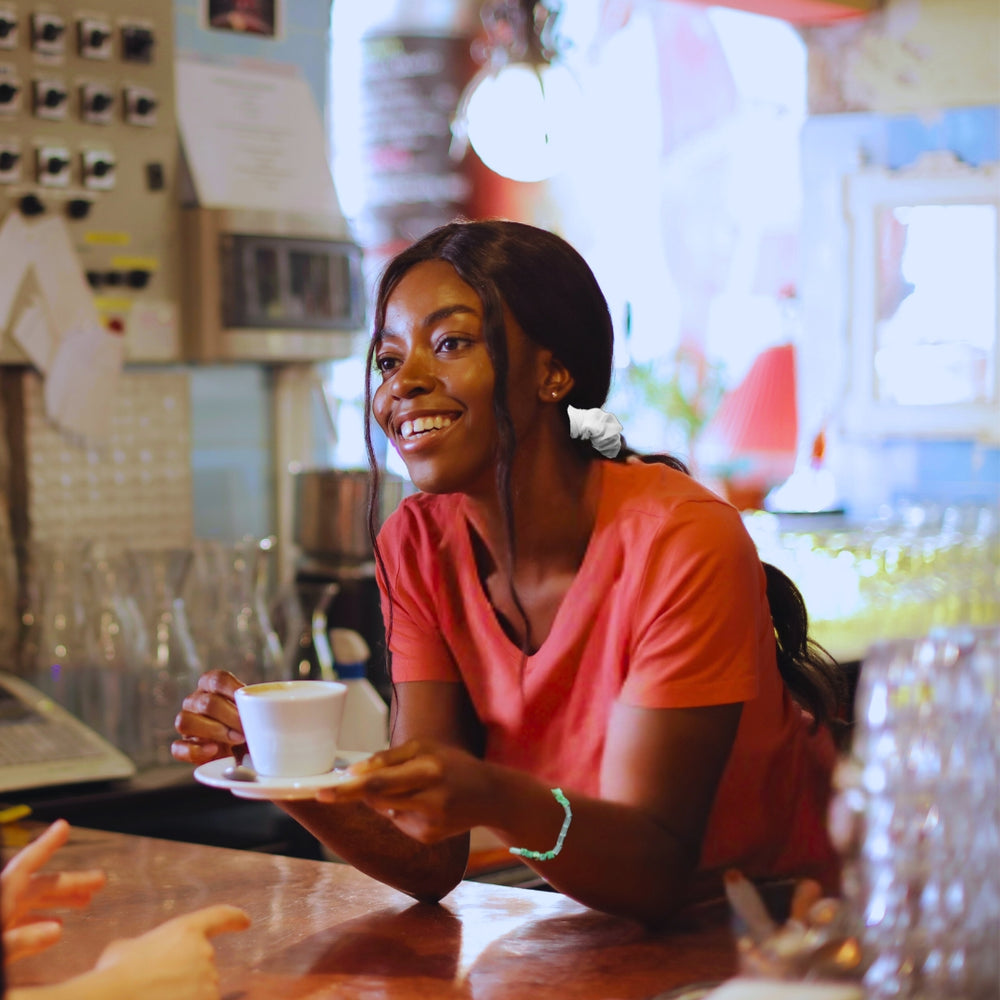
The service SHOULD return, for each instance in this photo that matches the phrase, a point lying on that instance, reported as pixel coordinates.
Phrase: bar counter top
(321, 929)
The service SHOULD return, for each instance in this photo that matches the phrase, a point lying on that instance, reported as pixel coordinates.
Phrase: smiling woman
(583, 651)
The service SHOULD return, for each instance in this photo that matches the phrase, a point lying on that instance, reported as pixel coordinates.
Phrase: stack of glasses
(922, 869)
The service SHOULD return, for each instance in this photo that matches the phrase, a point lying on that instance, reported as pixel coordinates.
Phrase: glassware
(117, 648)
(171, 667)
(58, 638)
(920, 820)
(244, 641)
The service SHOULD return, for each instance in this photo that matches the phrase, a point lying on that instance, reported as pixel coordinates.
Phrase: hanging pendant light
(522, 111)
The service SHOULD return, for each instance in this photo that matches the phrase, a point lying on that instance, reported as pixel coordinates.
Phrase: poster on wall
(245, 17)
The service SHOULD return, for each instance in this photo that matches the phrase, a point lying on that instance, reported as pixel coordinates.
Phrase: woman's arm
(364, 836)
(360, 833)
(633, 850)
(630, 851)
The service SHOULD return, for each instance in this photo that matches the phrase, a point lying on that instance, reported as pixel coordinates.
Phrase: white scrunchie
(601, 429)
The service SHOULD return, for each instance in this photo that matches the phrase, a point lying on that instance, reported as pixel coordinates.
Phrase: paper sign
(80, 389)
(253, 138)
(69, 298)
(59, 328)
(34, 332)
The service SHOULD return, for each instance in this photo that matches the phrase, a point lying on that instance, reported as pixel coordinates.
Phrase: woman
(582, 650)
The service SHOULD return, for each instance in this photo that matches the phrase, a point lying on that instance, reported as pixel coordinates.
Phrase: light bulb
(523, 122)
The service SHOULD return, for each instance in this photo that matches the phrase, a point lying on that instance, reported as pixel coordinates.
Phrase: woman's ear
(556, 382)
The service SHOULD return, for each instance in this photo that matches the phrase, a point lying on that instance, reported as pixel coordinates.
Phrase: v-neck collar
(578, 599)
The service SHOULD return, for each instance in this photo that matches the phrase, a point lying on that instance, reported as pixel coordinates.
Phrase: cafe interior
(793, 210)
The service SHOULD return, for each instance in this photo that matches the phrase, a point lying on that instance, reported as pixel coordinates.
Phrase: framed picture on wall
(925, 300)
(246, 17)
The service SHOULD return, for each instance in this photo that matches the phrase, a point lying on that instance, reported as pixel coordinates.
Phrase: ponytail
(812, 676)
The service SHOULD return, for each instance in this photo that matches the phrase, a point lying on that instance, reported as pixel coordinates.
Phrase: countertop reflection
(322, 929)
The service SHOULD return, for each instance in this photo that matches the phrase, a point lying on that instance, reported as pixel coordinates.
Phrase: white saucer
(275, 789)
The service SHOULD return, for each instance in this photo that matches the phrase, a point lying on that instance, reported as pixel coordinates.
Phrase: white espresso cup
(292, 727)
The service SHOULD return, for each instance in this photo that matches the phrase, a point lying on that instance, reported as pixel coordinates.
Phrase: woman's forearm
(614, 858)
(376, 847)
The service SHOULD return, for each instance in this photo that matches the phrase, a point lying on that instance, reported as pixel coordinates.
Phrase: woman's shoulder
(654, 507)
(421, 520)
(658, 490)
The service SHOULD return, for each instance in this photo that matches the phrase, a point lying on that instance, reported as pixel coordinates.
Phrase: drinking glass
(921, 841)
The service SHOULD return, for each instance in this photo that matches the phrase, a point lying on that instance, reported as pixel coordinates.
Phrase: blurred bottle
(917, 816)
(365, 725)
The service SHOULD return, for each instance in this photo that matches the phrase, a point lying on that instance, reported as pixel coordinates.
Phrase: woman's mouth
(418, 427)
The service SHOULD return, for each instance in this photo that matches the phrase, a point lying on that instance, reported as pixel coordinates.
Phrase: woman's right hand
(208, 722)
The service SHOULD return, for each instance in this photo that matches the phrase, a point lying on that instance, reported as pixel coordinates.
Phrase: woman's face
(435, 400)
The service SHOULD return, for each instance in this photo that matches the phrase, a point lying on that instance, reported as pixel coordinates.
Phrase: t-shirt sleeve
(414, 581)
(702, 620)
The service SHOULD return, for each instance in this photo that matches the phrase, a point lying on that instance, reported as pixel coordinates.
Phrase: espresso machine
(334, 581)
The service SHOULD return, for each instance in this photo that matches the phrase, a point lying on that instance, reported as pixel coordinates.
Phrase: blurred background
(792, 207)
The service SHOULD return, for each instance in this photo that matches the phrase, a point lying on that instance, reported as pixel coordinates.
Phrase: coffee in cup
(292, 727)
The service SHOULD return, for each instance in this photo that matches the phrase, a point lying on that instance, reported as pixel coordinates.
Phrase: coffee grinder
(334, 581)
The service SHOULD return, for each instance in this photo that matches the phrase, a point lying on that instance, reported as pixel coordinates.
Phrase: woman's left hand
(24, 890)
(429, 789)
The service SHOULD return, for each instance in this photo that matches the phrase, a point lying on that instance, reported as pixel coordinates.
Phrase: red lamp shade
(753, 437)
(803, 12)
(761, 415)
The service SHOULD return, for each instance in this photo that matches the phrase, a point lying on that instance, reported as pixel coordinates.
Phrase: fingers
(806, 893)
(20, 942)
(385, 782)
(24, 889)
(196, 753)
(62, 889)
(212, 920)
(387, 758)
(33, 856)
(220, 682)
(206, 716)
(208, 723)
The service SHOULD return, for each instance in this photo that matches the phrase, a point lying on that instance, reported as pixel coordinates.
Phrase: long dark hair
(554, 296)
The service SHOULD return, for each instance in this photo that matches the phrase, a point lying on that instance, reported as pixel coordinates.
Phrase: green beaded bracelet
(523, 852)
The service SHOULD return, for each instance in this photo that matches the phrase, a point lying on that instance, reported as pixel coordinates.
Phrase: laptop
(42, 744)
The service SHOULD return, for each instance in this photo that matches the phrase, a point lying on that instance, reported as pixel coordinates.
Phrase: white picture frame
(950, 347)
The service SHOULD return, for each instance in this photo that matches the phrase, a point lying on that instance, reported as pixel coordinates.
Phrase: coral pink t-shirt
(667, 610)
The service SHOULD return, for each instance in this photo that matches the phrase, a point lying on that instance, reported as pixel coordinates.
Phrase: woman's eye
(385, 364)
(452, 343)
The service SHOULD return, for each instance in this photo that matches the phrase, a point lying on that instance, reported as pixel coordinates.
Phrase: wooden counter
(324, 930)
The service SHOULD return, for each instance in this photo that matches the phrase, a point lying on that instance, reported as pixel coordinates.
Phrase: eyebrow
(435, 317)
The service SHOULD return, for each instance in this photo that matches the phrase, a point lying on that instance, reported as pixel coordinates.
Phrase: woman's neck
(554, 501)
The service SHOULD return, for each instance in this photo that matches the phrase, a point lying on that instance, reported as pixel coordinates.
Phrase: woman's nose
(414, 377)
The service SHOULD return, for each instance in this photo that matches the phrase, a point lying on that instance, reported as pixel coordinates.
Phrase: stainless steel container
(331, 511)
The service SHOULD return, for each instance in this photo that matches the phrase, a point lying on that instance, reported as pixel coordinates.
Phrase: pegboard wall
(88, 133)
(133, 490)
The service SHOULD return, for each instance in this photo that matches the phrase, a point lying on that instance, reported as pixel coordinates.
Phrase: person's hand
(24, 890)
(812, 943)
(175, 959)
(209, 723)
(430, 790)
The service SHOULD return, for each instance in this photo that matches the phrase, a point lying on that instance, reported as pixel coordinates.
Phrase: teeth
(423, 424)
